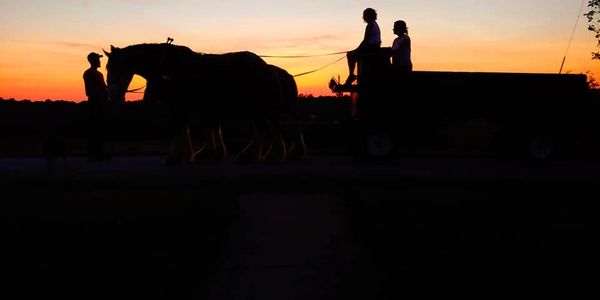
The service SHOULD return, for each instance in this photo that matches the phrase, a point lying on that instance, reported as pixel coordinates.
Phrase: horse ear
(107, 53)
(112, 48)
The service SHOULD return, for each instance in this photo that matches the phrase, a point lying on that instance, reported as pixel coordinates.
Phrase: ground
(326, 227)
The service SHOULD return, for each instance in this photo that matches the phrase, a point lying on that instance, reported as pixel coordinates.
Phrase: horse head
(119, 74)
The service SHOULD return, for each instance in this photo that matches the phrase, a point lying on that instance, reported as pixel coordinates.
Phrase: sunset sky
(44, 44)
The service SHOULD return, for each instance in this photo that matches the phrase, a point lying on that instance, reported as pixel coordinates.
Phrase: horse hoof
(178, 161)
(241, 159)
(202, 155)
(296, 151)
(296, 155)
(206, 155)
(248, 158)
(172, 162)
(220, 156)
(272, 160)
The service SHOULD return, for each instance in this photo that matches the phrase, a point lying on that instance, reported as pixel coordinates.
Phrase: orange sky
(43, 44)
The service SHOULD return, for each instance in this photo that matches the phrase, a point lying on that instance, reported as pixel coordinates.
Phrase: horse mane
(183, 53)
(157, 48)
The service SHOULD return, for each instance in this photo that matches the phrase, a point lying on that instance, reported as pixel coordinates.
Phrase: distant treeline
(133, 119)
(301, 97)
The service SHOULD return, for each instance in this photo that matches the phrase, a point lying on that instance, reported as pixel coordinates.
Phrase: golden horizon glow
(44, 45)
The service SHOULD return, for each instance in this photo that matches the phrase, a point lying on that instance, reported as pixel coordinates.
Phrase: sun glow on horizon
(44, 44)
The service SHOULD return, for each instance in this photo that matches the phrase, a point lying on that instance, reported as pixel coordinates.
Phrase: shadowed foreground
(323, 228)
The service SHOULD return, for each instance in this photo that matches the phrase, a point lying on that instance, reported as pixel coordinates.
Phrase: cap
(93, 55)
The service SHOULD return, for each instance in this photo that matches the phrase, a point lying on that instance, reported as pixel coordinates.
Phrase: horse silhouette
(210, 87)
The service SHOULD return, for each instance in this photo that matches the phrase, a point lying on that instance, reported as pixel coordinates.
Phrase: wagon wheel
(540, 147)
(380, 144)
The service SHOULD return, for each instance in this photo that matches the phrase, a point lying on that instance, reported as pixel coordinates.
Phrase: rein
(319, 69)
(304, 56)
(136, 91)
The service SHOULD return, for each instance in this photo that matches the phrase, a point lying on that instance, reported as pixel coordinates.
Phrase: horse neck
(148, 61)
(154, 61)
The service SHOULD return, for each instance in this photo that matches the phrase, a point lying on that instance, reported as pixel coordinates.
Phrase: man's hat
(93, 55)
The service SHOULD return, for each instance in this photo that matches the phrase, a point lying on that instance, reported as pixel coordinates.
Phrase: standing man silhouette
(97, 93)
(371, 41)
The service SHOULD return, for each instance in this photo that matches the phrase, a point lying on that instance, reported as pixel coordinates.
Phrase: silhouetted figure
(401, 62)
(370, 43)
(97, 92)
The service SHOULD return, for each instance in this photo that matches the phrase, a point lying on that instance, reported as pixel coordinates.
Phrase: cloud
(75, 45)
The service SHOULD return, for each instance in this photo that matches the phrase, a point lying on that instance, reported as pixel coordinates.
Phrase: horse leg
(252, 151)
(180, 151)
(297, 147)
(221, 149)
(204, 153)
(277, 151)
(214, 145)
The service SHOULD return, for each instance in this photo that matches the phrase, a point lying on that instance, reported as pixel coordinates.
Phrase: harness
(163, 57)
(160, 74)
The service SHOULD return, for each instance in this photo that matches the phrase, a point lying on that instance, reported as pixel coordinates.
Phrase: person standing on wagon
(401, 62)
(370, 42)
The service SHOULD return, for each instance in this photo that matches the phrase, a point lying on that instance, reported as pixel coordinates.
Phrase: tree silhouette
(593, 16)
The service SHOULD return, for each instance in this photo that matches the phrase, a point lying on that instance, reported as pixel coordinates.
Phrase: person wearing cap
(97, 93)
(371, 41)
(401, 62)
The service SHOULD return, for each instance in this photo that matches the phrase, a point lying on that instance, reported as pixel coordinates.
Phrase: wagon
(532, 116)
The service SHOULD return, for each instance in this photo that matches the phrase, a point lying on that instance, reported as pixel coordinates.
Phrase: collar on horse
(163, 57)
